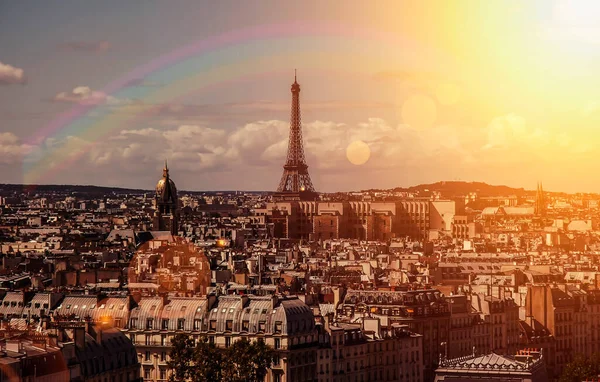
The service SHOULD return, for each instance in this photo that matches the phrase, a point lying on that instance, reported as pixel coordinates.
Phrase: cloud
(11, 149)
(250, 155)
(504, 131)
(86, 46)
(11, 75)
(84, 95)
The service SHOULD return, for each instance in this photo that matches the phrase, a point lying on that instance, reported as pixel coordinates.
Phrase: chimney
(88, 326)
(212, 299)
(13, 346)
(79, 337)
(327, 319)
(99, 334)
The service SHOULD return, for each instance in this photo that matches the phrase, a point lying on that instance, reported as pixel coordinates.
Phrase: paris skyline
(102, 93)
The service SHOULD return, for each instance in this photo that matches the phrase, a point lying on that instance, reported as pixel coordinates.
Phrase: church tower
(540, 201)
(166, 204)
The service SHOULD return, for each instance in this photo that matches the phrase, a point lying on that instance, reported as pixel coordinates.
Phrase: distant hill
(7, 189)
(67, 189)
(458, 188)
(448, 189)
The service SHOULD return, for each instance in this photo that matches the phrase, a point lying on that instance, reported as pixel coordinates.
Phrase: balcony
(150, 344)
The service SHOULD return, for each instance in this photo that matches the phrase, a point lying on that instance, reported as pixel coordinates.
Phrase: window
(277, 326)
(149, 322)
(245, 325)
(163, 339)
(165, 324)
(147, 356)
(213, 324)
(227, 342)
(148, 339)
(163, 356)
(133, 323)
(197, 324)
(180, 323)
(163, 374)
(261, 326)
(277, 343)
(147, 374)
(229, 325)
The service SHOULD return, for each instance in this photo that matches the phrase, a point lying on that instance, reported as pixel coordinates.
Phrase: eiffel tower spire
(295, 181)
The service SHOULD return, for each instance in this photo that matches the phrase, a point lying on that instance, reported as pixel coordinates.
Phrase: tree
(208, 362)
(581, 368)
(203, 361)
(181, 358)
(263, 358)
(247, 361)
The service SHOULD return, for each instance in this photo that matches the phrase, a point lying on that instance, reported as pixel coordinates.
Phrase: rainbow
(222, 60)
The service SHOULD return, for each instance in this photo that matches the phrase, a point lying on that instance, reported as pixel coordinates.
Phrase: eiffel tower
(295, 181)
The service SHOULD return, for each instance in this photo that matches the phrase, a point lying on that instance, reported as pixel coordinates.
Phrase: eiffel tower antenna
(295, 181)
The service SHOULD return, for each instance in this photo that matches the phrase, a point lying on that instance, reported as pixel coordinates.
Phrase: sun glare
(358, 153)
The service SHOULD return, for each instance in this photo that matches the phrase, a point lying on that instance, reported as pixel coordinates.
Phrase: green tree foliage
(581, 369)
(243, 361)
(208, 362)
(247, 361)
(181, 358)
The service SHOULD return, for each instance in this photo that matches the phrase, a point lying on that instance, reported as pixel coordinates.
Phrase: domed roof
(166, 192)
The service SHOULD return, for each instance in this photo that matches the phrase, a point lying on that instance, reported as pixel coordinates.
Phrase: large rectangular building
(358, 219)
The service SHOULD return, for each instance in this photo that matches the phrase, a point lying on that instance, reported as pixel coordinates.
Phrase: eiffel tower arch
(295, 183)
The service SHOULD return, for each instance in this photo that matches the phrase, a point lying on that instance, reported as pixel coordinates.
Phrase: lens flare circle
(358, 152)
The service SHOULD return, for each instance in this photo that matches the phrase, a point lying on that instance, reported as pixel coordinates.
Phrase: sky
(392, 93)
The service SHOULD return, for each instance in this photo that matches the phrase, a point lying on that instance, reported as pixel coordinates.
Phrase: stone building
(493, 368)
(368, 352)
(285, 323)
(66, 351)
(499, 321)
(358, 219)
(422, 311)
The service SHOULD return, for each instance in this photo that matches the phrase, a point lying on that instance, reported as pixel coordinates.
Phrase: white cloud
(11, 75)
(250, 156)
(12, 150)
(84, 95)
(506, 130)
